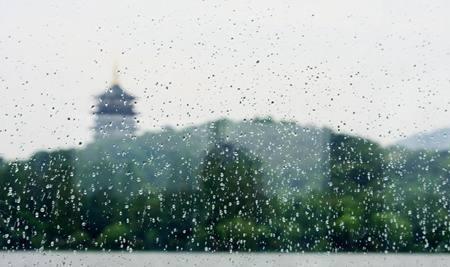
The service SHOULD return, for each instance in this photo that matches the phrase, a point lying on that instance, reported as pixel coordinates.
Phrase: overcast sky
(380, 69)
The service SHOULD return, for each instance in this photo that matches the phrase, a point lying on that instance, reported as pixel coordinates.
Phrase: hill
(293, 156)
(435, 140)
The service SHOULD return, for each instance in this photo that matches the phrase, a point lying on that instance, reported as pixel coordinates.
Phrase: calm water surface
(217, 259)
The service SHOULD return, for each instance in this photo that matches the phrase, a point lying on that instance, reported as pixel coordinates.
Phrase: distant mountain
(293, 156)
(295, 159)
(435, 140)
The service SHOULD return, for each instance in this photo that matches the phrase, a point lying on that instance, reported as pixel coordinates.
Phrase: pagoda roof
(116, 92)
(115, 101)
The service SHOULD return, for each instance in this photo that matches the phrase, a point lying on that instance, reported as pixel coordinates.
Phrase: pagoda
(115, 115)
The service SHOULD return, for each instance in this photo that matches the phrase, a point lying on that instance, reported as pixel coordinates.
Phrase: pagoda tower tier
(115, 115)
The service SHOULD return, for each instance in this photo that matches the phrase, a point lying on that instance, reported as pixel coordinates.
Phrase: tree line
(374, 199)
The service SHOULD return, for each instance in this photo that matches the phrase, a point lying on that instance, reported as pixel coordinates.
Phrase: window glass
(239, 133)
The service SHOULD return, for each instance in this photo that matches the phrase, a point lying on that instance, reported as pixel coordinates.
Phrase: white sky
(380, 69)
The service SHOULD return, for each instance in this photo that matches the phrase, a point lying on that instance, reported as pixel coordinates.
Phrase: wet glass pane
(234, 133)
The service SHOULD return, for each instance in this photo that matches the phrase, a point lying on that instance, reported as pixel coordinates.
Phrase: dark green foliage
(355, 192)
(373, 199)
(232, 197)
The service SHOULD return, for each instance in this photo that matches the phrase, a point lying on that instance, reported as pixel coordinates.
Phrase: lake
(99, 259)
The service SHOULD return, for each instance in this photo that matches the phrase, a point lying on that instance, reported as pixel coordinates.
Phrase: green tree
(59, 201)
(231, 187)
(356, 188)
